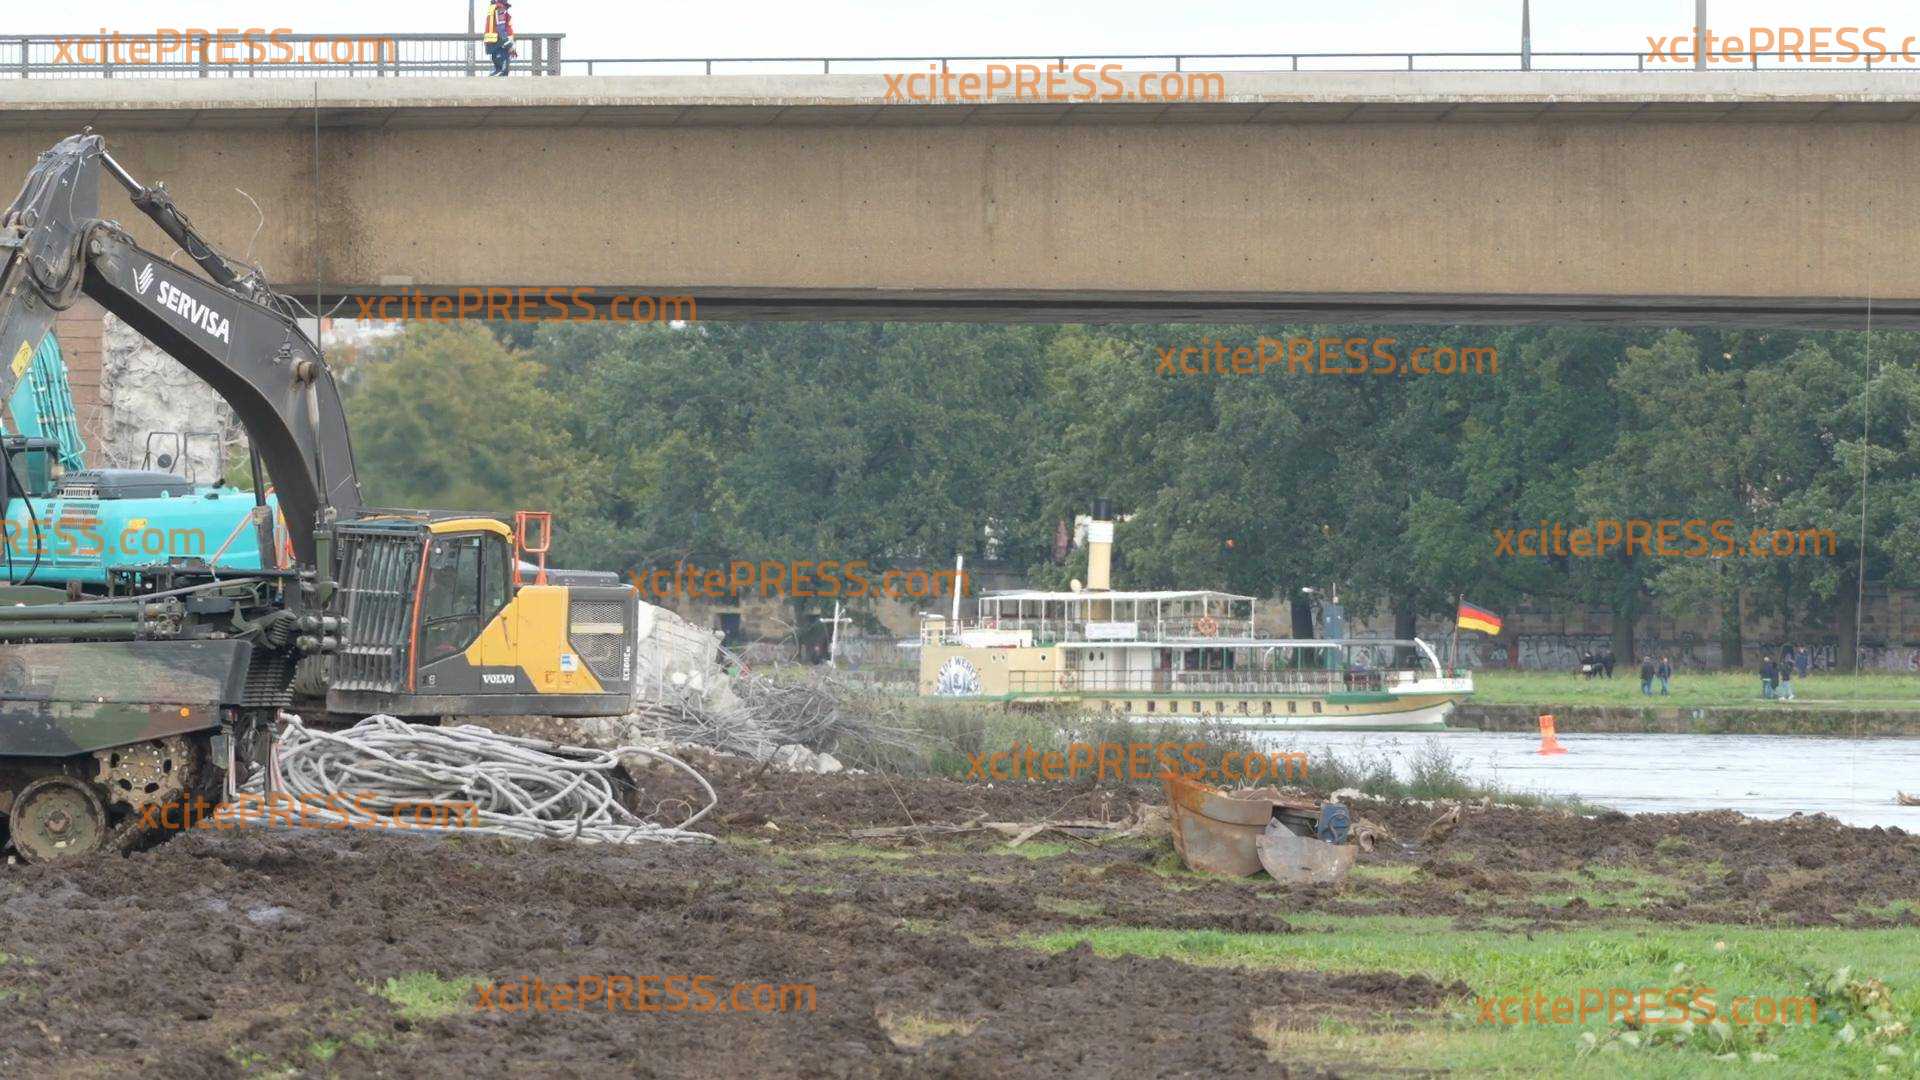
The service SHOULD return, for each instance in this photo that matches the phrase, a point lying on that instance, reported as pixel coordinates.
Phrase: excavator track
(61, 815)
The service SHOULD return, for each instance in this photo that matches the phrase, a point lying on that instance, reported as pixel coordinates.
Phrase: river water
(1767, 776)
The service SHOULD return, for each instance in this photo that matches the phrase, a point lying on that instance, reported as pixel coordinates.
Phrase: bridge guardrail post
(25, 44)
(553, 55)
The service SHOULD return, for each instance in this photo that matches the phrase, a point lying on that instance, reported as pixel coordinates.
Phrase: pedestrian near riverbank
(1786, 682)
(1769, 677)
(1646, 676)
(1665, 672)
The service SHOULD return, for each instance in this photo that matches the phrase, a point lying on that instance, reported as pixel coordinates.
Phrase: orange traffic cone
(1549, 744)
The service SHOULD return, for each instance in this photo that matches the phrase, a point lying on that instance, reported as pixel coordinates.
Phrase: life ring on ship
(1208, 626)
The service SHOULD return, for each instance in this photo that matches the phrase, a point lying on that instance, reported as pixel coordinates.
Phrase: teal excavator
(90, 529)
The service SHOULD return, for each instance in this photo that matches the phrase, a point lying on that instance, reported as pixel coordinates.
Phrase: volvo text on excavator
(166, 681)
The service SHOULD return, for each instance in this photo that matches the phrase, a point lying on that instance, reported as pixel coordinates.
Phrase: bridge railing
(203, 55)
(208, 55)
(1347, 63)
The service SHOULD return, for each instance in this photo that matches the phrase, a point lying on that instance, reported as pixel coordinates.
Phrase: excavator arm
(229, 331)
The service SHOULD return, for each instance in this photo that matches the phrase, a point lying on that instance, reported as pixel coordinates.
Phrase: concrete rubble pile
(691, 693)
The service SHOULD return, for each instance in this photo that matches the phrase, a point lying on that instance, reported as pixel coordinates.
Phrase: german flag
(1475, 618)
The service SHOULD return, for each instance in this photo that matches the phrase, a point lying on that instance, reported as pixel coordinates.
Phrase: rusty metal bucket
(1214, 832)
(1243, 833)
(1293, 859)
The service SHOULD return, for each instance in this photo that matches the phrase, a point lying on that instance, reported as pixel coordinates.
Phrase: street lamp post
(1700, 35)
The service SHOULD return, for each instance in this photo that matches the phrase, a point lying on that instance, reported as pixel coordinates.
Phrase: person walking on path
(499, 36)
(1646, 676)
(1665, 672)
(1786, 682)
(1803, 660)
(1606, 662)
(1769, 675)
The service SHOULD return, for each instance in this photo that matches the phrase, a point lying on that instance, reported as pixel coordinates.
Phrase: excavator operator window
(453, 597)
(496, 571)
(467, 579)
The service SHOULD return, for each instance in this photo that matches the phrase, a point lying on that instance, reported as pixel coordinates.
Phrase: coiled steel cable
(527, 788)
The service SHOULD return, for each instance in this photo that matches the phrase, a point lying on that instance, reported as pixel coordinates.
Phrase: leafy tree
(444, 417)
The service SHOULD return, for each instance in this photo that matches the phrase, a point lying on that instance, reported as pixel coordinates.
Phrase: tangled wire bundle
(519, 787)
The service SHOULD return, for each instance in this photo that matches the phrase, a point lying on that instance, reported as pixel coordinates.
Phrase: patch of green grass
(1388, 875)
(1489, 959)
(1873, 690)
(1068, 907)
(422, 995)
(1618, 887)
(911, 1031)
(789, 890)
(323, 1050)
(857, 851)
(1893, 909)
(1040, 849)
(1732, 960)
(247, 1059)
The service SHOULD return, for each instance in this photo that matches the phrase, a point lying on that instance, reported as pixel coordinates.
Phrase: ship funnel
(1100, 548)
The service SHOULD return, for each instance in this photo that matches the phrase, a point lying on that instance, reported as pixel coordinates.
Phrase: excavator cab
(445, 619)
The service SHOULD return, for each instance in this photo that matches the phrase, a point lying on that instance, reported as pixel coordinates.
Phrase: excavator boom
(226, 331)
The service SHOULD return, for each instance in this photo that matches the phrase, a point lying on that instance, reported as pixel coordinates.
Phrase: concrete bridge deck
(1751, 198)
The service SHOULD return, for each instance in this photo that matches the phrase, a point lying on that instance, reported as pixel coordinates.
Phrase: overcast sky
(605, 28)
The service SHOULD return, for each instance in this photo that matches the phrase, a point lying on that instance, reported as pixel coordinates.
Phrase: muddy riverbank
(254, 953)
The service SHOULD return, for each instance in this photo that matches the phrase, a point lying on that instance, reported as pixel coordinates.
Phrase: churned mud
(269, 952)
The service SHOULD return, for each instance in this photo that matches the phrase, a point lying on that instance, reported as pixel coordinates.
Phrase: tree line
(906, 443)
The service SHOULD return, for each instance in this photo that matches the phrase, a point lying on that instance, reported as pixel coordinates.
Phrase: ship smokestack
(1100, 548)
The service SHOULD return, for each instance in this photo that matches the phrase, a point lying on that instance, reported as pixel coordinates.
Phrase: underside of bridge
(1650, 199)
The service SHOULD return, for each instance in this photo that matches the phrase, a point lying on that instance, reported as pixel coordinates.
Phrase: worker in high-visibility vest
(499, 36)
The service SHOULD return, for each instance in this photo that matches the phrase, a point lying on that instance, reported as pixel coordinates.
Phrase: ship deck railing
(1209, 682)
(1196, 632)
